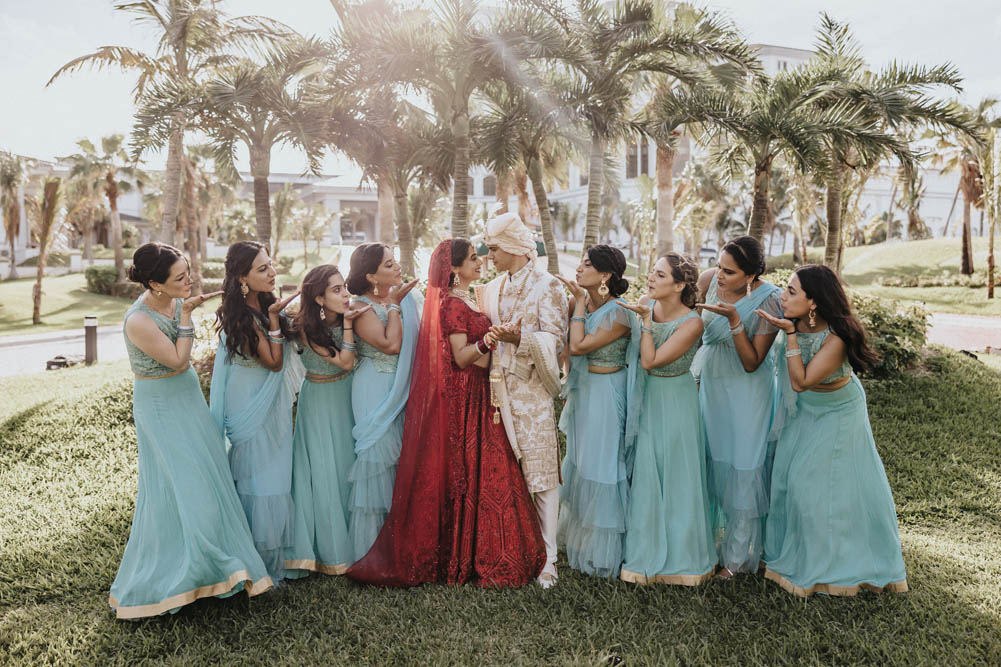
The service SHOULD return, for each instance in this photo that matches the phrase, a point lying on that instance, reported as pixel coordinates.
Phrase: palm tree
(44, 211)
(966, 152)
(112, 172)
(11, 178)
(283, 206)
(607, 52)
(259, 105)
(566, 220)
(895, 98)
(84, 211)
(448, 54)
(527, 128)
(193, 36)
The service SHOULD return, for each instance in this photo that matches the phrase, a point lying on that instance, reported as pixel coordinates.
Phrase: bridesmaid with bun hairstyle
(189, 537)
(601, 398)
(669, 537)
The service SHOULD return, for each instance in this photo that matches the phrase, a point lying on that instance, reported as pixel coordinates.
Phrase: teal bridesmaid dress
(253, 406)
(379, 392)
(322, 455)
(669, 536)
(594, 497)
(832, 526)
(737, 407)
(189, 536)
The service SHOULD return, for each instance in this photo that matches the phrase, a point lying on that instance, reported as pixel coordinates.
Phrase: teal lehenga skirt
(322, 457)
(832, 527)
(594, 497)
(189, 538)
(669, 536)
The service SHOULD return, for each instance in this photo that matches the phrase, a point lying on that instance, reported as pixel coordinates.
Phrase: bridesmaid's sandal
(724, 573)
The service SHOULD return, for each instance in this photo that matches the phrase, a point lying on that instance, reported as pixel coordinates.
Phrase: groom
(528, 309)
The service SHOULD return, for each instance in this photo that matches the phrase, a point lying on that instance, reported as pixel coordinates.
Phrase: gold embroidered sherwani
(530, 370)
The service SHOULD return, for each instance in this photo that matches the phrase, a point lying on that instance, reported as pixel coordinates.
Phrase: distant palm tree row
(416, 95)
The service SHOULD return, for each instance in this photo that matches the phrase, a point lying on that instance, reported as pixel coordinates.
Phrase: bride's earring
(813, 318)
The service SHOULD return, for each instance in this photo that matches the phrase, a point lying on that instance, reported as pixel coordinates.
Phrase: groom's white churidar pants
(547, 504)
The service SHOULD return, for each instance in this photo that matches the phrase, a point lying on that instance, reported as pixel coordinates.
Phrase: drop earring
(323, 314)
(159, 292)
(244, 290)
(749, 282)
(603, 289)
(813, 318)
(375, 290)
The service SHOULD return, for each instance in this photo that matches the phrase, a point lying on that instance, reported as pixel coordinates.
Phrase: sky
(39, 36)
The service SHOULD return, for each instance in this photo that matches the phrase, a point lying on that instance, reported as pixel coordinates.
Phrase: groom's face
(501, 259)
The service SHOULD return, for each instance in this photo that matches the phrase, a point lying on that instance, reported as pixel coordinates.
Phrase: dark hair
(684, 270)
(151, 262)
(460, 250)
(823, 286)
(748, 254)
(234, 316)
(607, 259)
(307, 321)
(364, 260)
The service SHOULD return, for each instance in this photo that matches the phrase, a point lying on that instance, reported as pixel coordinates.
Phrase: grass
(67, 483)
(25, 392)
(962, 300)
(65, 301)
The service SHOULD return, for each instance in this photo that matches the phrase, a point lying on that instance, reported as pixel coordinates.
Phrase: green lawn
(963, 300)
(65, 301)
(67, 485)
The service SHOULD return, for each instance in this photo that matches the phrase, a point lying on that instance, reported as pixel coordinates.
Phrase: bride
(461, 511)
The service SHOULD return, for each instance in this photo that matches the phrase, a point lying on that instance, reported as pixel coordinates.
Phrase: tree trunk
(990, 259)
(191, 226)
(594, 181)
(981, 234)
(889, 213)
(111, 190)
(13, 262)
(832, 245)
(384, 211)
(525, 212)
(966, 266)
(88, 244)
(203, 234)
(542, 200)
(665, 198)
(503, 190)
(955, 197)
(460, 175)
(260, 170)
(759, 206)
(172, 178)
(36, 291)
(405, 233)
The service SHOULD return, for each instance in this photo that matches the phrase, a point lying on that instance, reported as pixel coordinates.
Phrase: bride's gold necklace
(464, 295)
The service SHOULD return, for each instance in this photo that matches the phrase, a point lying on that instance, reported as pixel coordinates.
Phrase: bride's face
(471, 267)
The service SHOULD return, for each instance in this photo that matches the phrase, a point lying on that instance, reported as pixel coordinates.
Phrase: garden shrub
(945, 279)
(285, 263)
(54, 259)
(100, 278)
(897, 333)
(216, 270)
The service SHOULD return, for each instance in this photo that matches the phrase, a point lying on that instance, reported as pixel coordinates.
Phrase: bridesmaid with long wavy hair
(387, 335)
(322, 448)
(832, 526)
(251, 397)
(189, 537)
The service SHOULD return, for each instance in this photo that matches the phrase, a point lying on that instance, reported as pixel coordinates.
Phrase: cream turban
(509, 233)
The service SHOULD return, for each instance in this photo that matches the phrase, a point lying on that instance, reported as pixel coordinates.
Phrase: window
(783, 65)
(631, 158)
(644, 157)
(489, 185)
(583, 177)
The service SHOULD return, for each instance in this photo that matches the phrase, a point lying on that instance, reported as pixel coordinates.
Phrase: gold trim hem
(173, 602)
(319, 378)
(832, 589)
(161, 377)
(671, 579)
(313, 566)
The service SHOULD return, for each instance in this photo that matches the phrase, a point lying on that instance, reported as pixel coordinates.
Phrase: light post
(90, 339)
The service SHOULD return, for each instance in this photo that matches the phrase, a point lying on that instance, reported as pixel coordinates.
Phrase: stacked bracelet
(395, 307)
(349, 347)
(793, 353)
(582, 320)
(185, 334)
(276, 339)
(480, 349)
(275, 333)
(647, 330)
(737, 329)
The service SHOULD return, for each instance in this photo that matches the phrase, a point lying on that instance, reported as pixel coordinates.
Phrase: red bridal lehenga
(461, 509)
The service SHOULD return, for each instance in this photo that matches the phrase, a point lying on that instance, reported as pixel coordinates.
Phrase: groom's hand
(508, 333)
